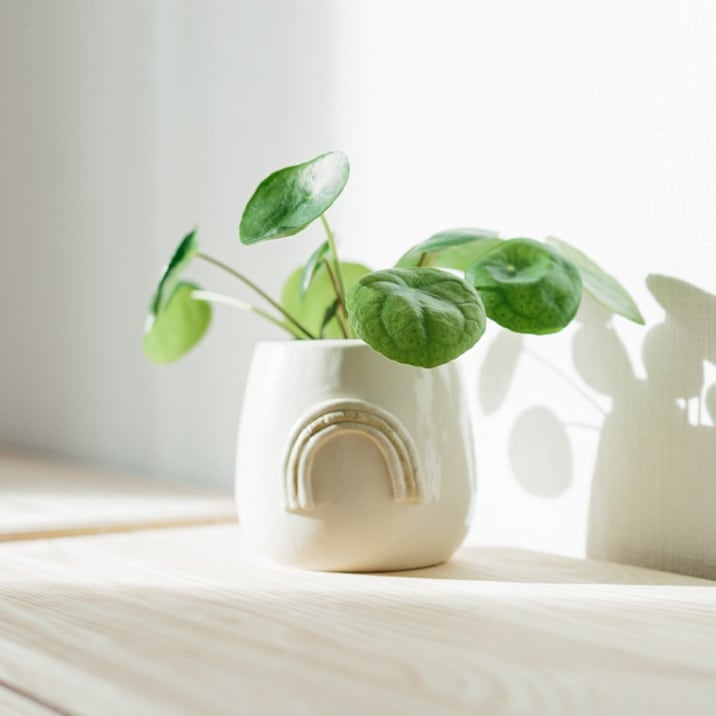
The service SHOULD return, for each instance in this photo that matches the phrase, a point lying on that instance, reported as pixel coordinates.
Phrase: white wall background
(127, 123)
(124, 125)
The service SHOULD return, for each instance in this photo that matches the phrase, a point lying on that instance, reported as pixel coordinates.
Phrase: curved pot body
(348, 461)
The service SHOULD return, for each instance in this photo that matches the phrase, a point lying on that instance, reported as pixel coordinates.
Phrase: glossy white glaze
(349, 461)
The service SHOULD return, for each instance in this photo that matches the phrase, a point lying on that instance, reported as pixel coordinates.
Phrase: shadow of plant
(653, 493)
(653, 498)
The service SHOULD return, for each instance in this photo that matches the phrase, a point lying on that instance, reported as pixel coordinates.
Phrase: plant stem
(339, 284)
(422, 258)
(254, 287)
(341, 308)
(244, 306)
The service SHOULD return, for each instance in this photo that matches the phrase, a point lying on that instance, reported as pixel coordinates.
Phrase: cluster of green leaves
(419, 312)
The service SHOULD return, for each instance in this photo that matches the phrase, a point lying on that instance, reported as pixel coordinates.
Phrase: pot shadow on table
(653, 487)
(506, 564)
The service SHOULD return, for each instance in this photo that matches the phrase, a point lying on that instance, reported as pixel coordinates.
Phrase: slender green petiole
(341, 287)
(254, 287)
(212, 297)
(339, 299)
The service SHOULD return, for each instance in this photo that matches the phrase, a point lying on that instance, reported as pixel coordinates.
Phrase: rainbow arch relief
(326, 422)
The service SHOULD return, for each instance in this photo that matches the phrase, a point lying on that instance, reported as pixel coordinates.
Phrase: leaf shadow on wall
(540, 451)
(653, 490)
(653, 499)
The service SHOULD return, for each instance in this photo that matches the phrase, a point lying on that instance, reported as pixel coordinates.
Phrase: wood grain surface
(18, 704)
(42, 499)
(188, 621)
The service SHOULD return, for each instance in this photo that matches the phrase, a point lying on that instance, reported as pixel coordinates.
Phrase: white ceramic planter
(348, 461)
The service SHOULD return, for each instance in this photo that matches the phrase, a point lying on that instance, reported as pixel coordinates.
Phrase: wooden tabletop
(43, 498)
(187, 620)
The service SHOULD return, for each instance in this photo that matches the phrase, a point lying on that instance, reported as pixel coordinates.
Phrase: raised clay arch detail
(323, 423)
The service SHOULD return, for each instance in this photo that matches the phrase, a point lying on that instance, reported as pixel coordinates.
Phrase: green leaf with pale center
(454, 248)
(527, 286)
(330, 313)
(312, 265)
(419, 316)
(605, 288)
(177, 327)
(310, 310)
(181, 258)
(288, 200)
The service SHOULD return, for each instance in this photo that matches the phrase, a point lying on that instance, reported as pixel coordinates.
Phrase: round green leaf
(290, 199)
(605, 288)
(420, 316)
(462, 257)
(182, 256)
(454, 248)
(311, 308)
(527, 286)
(177, 327)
